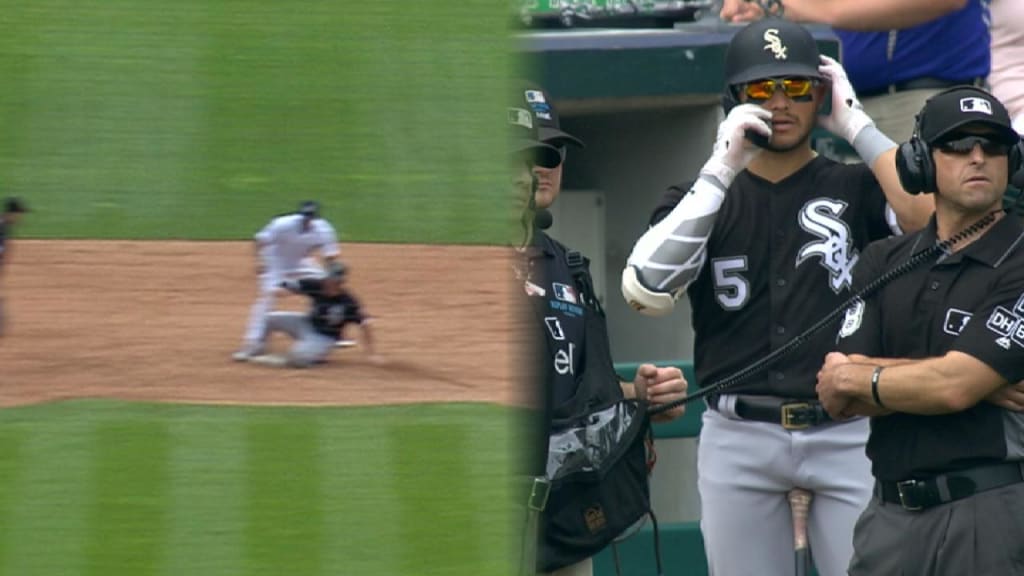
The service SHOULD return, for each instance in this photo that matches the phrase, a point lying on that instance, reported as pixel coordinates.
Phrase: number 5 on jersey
(731, 289)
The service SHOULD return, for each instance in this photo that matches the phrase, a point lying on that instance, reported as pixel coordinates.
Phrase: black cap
(522, 126)
(309, 209)
(549, 130)
(771, 48)
(947, 111)
(14, 205)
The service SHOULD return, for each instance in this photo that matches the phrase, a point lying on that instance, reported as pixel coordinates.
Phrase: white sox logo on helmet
(821, 218)
(774, 43)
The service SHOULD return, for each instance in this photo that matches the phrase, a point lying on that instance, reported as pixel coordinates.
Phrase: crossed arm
(946, 384)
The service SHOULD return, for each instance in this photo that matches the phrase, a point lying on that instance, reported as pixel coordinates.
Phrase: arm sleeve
(668, 201)
(995, 333)
(860, 329)
(670, 254)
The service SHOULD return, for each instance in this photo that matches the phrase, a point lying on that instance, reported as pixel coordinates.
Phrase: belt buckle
(900, 488)
(539, 494)
(788, 418)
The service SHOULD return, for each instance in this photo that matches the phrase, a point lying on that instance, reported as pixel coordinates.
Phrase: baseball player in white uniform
(284, 249)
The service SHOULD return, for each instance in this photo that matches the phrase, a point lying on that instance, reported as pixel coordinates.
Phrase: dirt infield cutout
(158, 321)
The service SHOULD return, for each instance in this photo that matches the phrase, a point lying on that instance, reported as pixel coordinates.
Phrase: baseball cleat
(344, 343)
(269, 360)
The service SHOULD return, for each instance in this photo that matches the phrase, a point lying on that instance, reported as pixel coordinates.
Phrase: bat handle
(800, 504)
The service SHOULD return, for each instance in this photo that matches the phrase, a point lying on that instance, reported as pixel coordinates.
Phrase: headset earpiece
(914, 163)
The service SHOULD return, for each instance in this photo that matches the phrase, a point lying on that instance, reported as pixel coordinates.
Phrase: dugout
(646, 102)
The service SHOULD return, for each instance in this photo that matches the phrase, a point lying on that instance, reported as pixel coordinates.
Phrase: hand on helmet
(847, 118)
(732, 152)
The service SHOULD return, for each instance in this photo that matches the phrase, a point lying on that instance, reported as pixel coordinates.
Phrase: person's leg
(832, 464)
(310, 347)
(744, 471)
(985, 535)
(255, 331)
(880, 541)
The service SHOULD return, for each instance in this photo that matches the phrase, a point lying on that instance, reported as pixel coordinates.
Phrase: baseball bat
(799, 505)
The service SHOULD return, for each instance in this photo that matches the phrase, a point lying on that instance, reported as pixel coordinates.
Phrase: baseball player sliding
(316, 332)
(283, 248)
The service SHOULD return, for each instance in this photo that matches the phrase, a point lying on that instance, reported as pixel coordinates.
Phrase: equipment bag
(597, 460)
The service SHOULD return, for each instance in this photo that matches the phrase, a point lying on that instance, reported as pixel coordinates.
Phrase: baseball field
(151, 140)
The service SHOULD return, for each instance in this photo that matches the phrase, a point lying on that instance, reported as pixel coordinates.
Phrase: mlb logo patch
(956, 321)
(533, 96)
(975, 104)
(564, 292)
(520, 117)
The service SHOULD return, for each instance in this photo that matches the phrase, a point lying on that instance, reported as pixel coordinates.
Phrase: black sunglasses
(964, 144)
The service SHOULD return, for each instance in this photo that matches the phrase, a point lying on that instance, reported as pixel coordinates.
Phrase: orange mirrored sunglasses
(798, 89)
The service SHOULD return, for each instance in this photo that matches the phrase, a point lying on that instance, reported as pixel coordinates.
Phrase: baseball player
(764, 243)
(923, 354)
(283, 251)
(315, 333)
(13, 209)
(570, 327)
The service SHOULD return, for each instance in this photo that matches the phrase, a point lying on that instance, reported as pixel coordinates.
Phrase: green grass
(201, 120)
(91, 487)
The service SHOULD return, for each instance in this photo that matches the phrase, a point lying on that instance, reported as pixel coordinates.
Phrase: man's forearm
(951, 383)
(870, 15)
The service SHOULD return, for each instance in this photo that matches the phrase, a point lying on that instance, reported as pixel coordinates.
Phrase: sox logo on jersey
(835, 249)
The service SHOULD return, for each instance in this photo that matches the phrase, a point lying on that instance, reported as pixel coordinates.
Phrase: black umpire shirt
(972, 302)
(329, 314)
(549, 284)
(780, 258)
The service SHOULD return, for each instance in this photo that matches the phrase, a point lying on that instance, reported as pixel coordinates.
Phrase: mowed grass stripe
(362, 526)
(284, 527)
(438, 514)
(46, 519)
(129, 498)
(11, 440)
(206, 502)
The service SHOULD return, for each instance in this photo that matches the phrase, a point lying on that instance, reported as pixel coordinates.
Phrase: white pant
(746, 468)
(582, 568)
(310, 346)
(270, 283)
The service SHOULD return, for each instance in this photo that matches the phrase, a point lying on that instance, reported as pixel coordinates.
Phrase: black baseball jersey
(780, 257)
(330, 313)
(971, 301)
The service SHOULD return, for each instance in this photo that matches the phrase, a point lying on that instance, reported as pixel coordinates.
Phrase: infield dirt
(158, 321)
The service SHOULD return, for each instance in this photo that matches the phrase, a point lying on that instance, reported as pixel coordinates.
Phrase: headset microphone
(542, 219)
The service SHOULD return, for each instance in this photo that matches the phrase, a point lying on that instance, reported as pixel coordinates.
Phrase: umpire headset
(915, 164)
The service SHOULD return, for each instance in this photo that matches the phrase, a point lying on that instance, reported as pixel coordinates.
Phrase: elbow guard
(670, 255)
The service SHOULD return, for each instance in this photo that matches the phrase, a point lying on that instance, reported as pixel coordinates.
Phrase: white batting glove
(848, 117)
(732, 152)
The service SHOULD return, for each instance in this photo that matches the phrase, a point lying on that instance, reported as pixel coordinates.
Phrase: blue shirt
(954, 47)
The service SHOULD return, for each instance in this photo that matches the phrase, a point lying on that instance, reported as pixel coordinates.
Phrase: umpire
(13, 209)
(928, 356)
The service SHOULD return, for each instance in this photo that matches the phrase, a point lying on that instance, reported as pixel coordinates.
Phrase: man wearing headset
(922, 354)
(764, 243)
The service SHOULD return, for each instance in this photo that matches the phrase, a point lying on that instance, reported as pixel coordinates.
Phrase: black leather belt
(790, 414)
(918, 494)
(920, 84)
